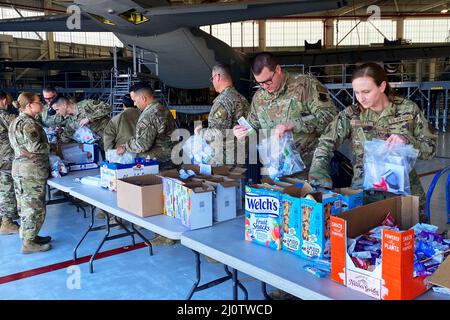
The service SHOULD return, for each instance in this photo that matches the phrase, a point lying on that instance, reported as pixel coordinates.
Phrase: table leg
(105, 237)
(197, 274)
(148, 243)
(85, 234)
(264, 291)
(120, 223)
(236, 283)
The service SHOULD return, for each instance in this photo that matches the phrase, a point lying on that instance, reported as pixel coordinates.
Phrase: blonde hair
(24, 99)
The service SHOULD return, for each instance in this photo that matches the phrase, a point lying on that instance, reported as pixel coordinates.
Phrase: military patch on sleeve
(219, 114)
(31, 132)
(323, 97)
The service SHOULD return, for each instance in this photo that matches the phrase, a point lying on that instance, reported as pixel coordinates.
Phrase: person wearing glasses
(8, 205)
(288, 102)
(30, 169)
(227, 108)
(48, 116)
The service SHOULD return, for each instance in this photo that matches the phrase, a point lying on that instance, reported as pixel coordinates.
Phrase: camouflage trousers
(415, 187)
(8, 205)
(30, 195)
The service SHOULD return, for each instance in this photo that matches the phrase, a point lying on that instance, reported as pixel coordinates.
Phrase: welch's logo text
(262, 205)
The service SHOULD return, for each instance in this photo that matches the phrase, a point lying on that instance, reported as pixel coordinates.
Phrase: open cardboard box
(393, 278)
(141, 195)
(224, 197)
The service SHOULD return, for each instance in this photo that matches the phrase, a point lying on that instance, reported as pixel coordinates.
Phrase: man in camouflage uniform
(153, 135)
(8, 206)
(122, 126)
(155, 125)
(285, 102)
(401, 117)
(30, 170)
(227, 108)
(91, 113)
(48, 116)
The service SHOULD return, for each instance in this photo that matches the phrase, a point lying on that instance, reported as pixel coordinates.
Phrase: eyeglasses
(37, 102)
(212, 78)
(49, 98)
(267, 82)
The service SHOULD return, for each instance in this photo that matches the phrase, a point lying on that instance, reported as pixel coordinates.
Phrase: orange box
(393, 278)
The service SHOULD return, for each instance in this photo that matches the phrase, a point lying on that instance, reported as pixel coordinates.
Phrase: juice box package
(263, 222)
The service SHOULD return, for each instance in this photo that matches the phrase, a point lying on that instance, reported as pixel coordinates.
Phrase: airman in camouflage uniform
(30, 170)
(50, 120)
(400, 117)
(302, 100)
(8, 206)
(153, 129)
(92, 113)
(122, 126)
(227, 108)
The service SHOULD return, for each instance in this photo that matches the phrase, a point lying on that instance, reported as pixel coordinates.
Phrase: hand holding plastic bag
(280, 156)
(386, 168)
(126, 158)
(198, 150)
(85, 135)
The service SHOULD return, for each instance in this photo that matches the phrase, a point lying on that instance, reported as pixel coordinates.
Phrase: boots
(29, 246)
(9, 227)
(160, 240)
(42, 240)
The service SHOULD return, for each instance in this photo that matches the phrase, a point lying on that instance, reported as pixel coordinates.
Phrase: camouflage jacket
(31, 148)
(94, 110)
(301, 99)
(56, 120)
(227, 108)
(6, 152)
(153, 133)
(120, 128)
(402, 117)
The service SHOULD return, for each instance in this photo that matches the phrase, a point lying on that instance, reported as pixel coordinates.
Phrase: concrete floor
(168, 274)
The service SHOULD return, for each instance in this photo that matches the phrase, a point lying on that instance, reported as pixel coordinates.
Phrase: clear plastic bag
(126, 158)
(57, 166)
(52, 135)
(198, 150)
(280, 156)
(85, 135)
(387, 168)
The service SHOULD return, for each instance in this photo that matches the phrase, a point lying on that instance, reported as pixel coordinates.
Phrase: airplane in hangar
(185, 53)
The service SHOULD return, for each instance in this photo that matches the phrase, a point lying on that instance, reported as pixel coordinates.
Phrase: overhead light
(445, 9)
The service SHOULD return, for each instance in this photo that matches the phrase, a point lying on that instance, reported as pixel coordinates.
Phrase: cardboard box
(141, 195)
(79, 156)
(263, 221)
(191, 202)
(349, 198)
(393, 278)
(110, 173)
(224, 197)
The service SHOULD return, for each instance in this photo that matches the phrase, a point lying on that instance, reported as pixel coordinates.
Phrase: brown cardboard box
(141, 195)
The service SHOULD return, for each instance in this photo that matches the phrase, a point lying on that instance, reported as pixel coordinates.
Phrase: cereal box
(263, 223)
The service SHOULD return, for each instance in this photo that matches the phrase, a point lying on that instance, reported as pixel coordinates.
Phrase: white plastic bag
(387, 168)
(85, 135)
(198, 150)
(280, 156)
(57, 166)
(126, 158)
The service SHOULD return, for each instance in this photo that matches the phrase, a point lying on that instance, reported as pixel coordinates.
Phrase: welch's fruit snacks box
(263, 223)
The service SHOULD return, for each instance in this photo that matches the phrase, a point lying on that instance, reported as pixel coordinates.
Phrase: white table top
(107, 200)
(65, 183)
(225, 243)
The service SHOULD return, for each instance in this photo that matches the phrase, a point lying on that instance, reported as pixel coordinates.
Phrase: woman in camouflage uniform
(30, 171)
(379, 114)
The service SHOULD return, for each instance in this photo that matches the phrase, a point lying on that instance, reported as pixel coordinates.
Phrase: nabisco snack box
(349, 198)
(393, 278)
(263, 223)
